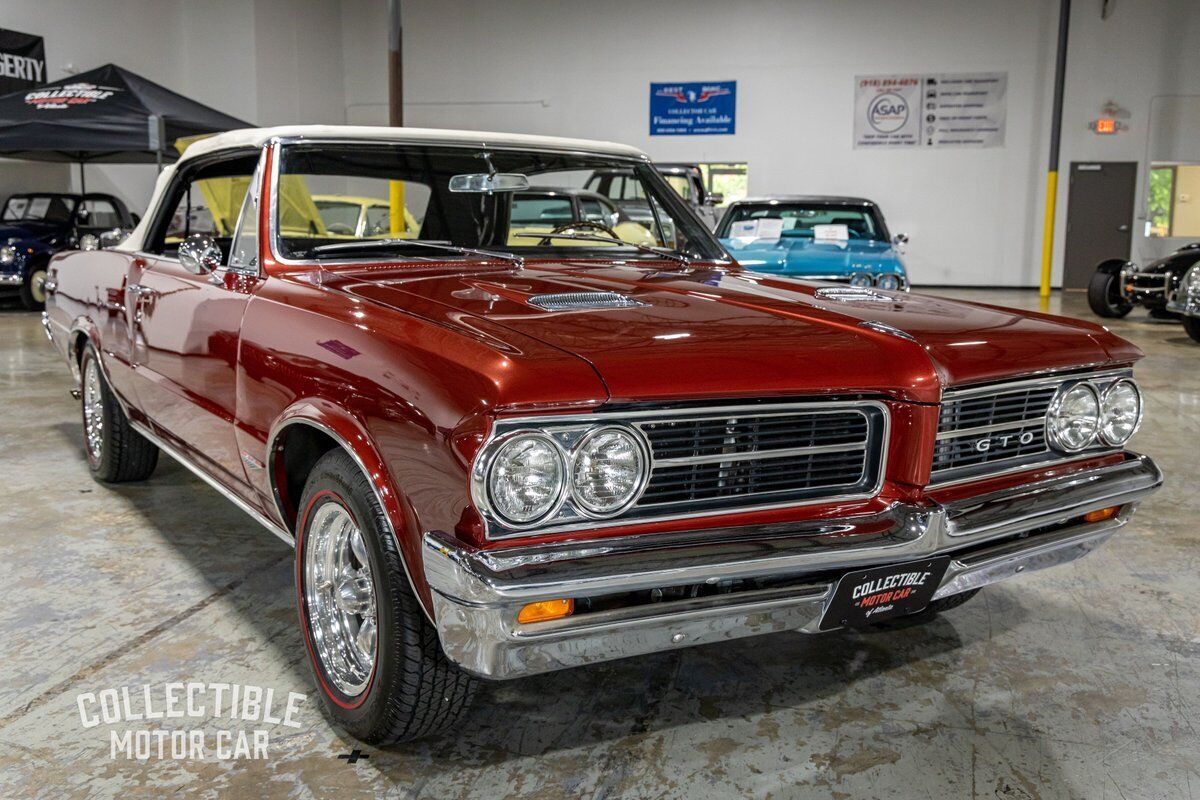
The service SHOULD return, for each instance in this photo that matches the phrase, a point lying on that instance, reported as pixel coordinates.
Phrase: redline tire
(116, 453)
(413, 690)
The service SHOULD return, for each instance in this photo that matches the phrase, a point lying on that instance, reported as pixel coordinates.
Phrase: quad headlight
(1120, 412)
(557, 475)
(1073, 419)
(526, 478)
(8, 254)
(1190, 285)
(608, 469)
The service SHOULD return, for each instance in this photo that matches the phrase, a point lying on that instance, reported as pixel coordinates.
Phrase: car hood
(801, 256)
(23, 232)
(709, 332)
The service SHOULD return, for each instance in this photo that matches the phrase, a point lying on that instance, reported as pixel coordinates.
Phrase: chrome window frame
(572, 428)
(276, 144)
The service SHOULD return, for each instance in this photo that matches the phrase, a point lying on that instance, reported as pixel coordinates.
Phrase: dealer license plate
(873, 595)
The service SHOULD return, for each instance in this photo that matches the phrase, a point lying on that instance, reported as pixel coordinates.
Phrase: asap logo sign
(887, 113)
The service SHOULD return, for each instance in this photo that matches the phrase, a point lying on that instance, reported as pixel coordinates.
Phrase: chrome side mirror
(900, 238)
(199, 254)
(113, 237)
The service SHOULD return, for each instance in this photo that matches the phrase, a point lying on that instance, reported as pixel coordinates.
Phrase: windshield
(820, 221)
(680, 184)
(534, 198)
(39, 208)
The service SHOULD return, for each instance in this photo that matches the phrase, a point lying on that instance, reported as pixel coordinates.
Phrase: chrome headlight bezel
(1104, 404)
(1060, 398)
(482, 477)
(1190, 285)
(642, 448)
(8, 255)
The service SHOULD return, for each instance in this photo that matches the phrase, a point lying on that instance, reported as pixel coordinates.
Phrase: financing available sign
(693, 109)
(22, 61)
(945, 109)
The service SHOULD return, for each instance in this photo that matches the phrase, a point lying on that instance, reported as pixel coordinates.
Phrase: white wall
(265, 61)
(582, 69)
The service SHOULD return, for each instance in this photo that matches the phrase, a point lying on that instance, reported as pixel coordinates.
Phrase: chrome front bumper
(992, 537)
(11, 279)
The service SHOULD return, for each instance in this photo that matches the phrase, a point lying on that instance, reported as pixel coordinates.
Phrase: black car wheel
(376, 658)
(33, 289)
(1104, 296)
(1192, 326)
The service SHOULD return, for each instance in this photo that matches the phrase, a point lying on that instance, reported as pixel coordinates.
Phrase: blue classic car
(35, 226)
(815, 237)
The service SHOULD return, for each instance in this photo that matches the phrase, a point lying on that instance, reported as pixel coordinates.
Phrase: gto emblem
(983, 445)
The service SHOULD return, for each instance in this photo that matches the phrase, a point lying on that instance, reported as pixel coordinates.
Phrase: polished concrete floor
(1078, 683)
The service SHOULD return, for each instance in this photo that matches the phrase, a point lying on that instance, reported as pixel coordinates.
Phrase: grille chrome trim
(568, 428)
(1036, 454)
(746, 455)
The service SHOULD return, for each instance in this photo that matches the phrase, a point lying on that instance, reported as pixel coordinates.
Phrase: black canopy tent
(108, 115)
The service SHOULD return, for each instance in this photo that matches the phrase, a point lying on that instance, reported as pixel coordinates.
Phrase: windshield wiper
(391, 244)
(674, 255)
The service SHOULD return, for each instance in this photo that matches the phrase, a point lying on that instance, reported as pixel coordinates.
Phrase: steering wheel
(586, 225)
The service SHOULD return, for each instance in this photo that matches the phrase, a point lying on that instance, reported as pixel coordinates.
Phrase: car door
(186, 325)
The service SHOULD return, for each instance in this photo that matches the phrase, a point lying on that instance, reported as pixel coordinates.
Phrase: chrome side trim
(1003, 386)
(478, 593)
(228, 494)
(272, 440)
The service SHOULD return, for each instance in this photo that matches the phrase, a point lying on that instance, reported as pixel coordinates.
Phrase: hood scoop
(583, 301)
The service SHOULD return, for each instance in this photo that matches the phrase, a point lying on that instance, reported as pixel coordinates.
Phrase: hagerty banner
(22, 61)
(946, 109)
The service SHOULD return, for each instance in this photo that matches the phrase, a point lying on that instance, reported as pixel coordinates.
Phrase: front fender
(351, 435)
(1112, 266)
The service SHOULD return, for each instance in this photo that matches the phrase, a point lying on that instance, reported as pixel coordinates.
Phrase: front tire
(375, 657)
(33, 292)
(1192, 326)
(1104, 296)
(116, 453)
(930, 612)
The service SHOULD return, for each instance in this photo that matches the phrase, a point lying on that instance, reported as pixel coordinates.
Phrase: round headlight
(608, 471)
(7, 254)
(889, 282)
(525, 479)
(1074, 418)
(861, 280)
(1191, 282)
(1121, 412)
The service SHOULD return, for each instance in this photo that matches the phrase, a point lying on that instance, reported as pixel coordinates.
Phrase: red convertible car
(501, 452)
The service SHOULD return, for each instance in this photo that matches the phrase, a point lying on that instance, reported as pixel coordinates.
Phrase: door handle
(139, 290)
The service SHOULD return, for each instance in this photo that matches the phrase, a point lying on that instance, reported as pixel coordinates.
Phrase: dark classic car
(1184, 298)
(33, 227)
(501, 455)
(1118, 286)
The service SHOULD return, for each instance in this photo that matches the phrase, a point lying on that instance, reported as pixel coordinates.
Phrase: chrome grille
(729, 459)
(989, 429)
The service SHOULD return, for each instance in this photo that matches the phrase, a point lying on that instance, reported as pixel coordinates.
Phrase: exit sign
(1107, 126)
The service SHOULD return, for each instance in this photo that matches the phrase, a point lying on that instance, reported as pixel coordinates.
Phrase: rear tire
(374, 655)
(1104, 296)
(116, 453)
(1192, 326)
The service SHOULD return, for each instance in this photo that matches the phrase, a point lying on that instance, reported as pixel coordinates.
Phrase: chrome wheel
(93, 410)
(339, 598)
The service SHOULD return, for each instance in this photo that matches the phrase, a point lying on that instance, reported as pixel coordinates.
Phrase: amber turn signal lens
(1101, 514)
(546, 609)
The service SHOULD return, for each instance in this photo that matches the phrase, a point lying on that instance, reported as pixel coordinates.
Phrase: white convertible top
(257, 137)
